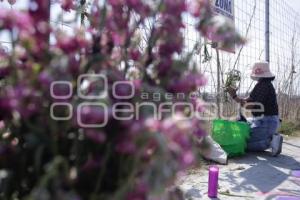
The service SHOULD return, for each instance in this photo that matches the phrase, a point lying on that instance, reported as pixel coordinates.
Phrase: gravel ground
(254, 176)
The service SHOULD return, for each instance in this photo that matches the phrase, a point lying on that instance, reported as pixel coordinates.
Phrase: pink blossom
(175, 7)
(167, 49)
(126, 145)
(74, 65)
(140, 191)
(152, 124)
(45, 79)
(91, 115)
(119, 38)
(187, 159)
(71, 44)
(197, 104)
(4, 71)
(91, 164)
(200, 8)
(182, 139)
(220, 29)
(116, 2)
(124, 89)
(2, 125)
(188, 83)
(67, 5)
(11, 18)
(164, 66)
(21, 99)
(200, 133)
(40, 14)
(58, 89)
(39, 11)
(135, 54)
(96, 136)
(153, 144)
(6, 108)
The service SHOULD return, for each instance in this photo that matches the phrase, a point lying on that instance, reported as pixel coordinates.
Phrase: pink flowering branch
(124, 159)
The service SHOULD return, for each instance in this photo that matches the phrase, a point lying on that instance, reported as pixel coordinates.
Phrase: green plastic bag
(232, 136)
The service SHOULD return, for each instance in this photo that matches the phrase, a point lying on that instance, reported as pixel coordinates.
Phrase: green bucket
(232, 136)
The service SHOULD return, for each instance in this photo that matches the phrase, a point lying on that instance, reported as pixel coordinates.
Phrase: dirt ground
(253, 176)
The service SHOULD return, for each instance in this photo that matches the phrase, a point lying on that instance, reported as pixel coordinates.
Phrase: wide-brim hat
(261, 70)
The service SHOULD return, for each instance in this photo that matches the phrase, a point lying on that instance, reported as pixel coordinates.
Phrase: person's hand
(231, 91)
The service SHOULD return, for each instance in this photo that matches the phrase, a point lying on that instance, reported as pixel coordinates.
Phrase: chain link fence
(250, 21)
(284, 53)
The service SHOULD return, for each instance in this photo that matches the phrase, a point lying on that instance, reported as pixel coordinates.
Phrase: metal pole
(267, 33)
(218, 84)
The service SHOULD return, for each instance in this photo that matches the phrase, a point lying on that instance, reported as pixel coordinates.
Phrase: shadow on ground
(253, 176)
(265, 173)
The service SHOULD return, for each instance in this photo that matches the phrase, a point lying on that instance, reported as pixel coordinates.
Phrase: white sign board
(225, 8)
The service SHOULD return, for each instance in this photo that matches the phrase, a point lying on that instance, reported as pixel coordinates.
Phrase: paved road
(254, 176)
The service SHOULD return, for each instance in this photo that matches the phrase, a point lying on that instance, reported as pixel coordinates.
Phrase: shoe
(276, 144)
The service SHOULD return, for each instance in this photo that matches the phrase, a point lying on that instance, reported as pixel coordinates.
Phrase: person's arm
(235, 97)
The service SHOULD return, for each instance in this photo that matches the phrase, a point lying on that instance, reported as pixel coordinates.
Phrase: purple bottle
(296, 173)
(213, 181)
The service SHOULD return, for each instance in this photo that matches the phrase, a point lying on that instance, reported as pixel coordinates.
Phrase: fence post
(267, 29)
(218, 84)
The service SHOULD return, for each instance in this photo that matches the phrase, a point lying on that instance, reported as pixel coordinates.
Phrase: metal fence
(250, 21)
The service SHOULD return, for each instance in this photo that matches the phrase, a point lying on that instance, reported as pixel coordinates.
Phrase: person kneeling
(264, 124)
